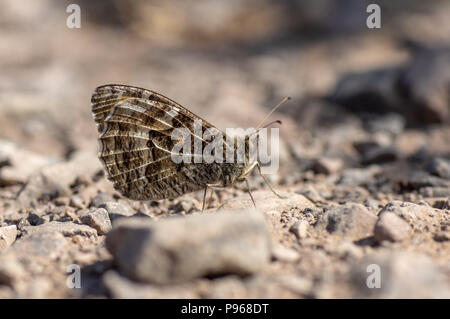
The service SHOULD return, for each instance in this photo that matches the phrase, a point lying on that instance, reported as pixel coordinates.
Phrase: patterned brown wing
(135, 127)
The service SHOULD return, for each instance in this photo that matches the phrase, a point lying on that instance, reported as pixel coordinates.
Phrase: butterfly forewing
(135, 128)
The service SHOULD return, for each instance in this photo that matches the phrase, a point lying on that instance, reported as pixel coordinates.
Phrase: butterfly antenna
(265, 126)
(273, 110)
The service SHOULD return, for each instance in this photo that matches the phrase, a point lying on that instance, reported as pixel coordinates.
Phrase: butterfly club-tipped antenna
(271, 112)
(266, 126)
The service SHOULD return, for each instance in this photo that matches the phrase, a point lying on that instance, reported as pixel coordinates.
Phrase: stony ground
(364, 162)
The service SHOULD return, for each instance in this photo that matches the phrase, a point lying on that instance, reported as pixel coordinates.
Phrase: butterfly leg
(248, 171)
(268, 184)
(250, 193)
(210, 197)
(212, 186)
(204, 197)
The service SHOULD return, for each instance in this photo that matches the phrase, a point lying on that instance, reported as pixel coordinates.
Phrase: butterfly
(136, 127)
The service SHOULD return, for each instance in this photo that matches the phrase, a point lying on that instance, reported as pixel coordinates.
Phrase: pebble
(34, 219)
(10, 270)
(300, 229)
(434, 191)
(76, 201)
(284, 254)
(358, 176)
(118, 209)
(98, 219)
(418, 180)
(8, 235)
(392, 228)
(310, 193)
(372, 204)
(441, 236)
(101, 199)
(392, 123)
(327, 166)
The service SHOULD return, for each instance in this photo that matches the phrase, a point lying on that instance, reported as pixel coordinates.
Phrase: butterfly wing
(135, 127)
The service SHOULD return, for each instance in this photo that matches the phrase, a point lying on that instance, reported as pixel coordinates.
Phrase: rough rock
(351, 220)
(67, 229)
(182, 248)
(97, 219)
(267, 201)
(8, 235)
(55, 180)
(46, 244)
(417, 216)
(391, 227)
(18, 164)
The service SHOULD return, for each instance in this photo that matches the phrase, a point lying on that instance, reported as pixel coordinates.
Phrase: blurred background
(228, 61)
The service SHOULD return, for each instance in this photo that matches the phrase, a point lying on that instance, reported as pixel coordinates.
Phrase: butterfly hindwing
(135, 127)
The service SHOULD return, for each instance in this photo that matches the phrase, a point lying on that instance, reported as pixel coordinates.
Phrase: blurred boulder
(420, 91)
(425, 86)
(440, 167)
(401, 275)
(179, 249)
